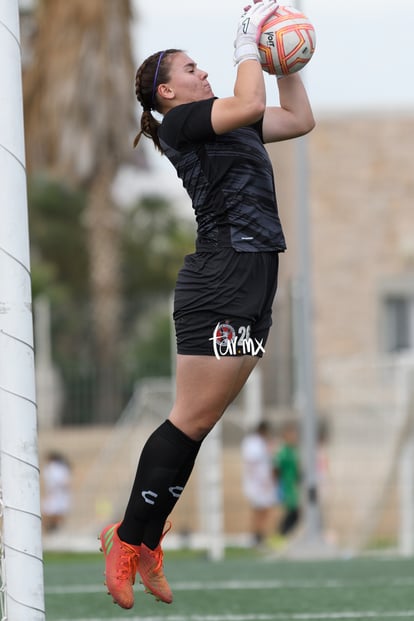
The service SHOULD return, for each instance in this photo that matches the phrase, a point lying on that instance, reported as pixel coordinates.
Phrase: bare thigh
(205, 386)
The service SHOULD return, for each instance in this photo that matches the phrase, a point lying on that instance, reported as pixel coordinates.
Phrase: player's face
(187, 82)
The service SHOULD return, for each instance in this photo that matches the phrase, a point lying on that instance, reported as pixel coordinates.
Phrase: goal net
(370, 410)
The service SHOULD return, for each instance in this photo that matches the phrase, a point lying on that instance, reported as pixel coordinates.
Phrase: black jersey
(228, 177)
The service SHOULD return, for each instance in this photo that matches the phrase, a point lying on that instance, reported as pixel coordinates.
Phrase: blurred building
(362, 272)
(360, 196)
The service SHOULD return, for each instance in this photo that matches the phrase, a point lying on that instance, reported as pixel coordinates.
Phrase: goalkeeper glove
(249, 30)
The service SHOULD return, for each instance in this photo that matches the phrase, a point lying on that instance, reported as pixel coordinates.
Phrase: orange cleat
(121, 562)
(151, 571)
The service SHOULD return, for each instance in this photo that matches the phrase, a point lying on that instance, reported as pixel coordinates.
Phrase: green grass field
(241, 588)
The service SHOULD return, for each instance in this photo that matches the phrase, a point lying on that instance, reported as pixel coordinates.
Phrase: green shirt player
(287, 470)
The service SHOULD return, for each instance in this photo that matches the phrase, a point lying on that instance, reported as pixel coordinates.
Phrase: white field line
(320, 616)
(235, 585)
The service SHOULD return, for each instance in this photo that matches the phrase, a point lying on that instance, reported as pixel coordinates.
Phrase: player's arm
(248, 103)
(249, 100)
(293, 117)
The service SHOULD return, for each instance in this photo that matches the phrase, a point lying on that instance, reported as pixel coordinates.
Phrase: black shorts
(223, 302)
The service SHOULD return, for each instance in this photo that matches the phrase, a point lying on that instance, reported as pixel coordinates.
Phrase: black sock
(164, 468)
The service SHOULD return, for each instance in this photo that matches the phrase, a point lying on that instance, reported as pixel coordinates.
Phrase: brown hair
(153, 71)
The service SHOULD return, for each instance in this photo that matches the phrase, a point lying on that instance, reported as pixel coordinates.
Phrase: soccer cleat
(151, 571)
(121, 561)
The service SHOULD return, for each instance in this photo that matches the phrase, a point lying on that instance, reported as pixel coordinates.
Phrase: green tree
(58, 240)
(153, 240)
(79, 121)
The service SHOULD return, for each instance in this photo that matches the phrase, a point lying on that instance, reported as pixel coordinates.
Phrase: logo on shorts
(224, 334)
(227, 343)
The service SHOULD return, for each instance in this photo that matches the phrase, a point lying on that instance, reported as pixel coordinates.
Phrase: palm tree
(79, 119)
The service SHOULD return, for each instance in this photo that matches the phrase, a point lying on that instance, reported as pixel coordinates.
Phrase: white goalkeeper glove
(249, 30)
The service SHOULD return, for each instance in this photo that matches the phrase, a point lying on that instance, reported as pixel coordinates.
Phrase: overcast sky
(364, 56)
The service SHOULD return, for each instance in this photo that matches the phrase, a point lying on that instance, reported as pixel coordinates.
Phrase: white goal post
(21, 579)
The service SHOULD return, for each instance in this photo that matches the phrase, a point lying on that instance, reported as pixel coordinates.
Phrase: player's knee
(197, 426)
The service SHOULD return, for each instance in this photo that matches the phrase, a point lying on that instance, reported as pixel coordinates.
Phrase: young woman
(225, 290)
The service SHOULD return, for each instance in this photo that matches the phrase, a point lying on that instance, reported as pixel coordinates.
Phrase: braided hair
(153, 71)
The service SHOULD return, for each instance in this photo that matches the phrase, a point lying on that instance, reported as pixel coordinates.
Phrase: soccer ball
(287, 42)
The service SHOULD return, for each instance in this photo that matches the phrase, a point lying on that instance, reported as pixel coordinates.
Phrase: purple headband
(154, 84)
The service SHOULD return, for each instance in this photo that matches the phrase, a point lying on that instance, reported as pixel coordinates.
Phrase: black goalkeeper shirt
(228, 177)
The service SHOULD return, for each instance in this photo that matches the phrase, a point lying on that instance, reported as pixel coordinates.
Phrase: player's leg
(260, 520)
(205, 386)
(164, 466)
(290, 520)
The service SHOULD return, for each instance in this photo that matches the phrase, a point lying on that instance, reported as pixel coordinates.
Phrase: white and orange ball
(287, 42)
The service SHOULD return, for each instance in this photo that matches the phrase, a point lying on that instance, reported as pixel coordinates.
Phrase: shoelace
(158, 554)
(158, 557)
(167, 530)
(127, 564)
